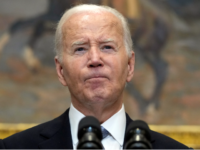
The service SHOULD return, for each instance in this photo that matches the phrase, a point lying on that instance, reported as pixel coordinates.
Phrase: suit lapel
(57, 134)
(128, 121)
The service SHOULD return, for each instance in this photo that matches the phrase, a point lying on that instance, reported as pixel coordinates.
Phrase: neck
(99, 110)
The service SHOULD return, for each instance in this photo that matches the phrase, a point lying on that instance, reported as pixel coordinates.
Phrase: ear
(131, 64)
(60, 71)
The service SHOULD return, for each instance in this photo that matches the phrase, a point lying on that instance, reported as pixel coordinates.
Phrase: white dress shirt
(115, 125)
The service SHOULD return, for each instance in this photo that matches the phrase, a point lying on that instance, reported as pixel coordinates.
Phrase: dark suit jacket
(56, 134)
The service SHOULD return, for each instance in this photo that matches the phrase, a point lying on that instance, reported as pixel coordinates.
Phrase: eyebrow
(107, 40)
(83, 42)
(78, 43)
(111, 40)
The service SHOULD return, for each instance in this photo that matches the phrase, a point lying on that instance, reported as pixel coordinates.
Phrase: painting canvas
(165, 89)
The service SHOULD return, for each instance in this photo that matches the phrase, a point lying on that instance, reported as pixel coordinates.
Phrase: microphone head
(89, 124)
(138, 124)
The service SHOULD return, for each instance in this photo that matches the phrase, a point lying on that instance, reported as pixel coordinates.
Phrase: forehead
(97, 21)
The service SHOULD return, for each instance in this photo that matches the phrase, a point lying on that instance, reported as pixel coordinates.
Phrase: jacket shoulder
(27, 138)
(1, 145)
(160, 141)
(30, 138)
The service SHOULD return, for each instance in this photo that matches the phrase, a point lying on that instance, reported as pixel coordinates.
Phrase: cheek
(73, 69)
(121, 69)
(115, 70)
(120, 64)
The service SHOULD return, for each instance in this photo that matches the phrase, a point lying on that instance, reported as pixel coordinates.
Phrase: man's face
(95, 65)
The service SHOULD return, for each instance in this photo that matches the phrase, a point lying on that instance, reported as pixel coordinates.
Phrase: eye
(107, 47)
(80, 49)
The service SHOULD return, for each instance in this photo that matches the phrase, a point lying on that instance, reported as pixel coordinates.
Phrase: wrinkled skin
(95, 65)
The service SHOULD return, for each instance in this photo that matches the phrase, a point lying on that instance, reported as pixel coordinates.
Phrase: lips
(95, 75)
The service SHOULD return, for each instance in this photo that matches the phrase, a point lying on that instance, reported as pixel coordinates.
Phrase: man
(94, 60)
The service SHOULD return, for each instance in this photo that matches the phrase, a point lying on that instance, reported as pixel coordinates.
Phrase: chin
(93, 96)
(99, 94)
(100, 97)
(97, 98)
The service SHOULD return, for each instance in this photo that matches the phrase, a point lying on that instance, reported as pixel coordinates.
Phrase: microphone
(138, 136)
(89, 134)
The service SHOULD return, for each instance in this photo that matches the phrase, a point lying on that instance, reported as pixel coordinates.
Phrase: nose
(94, 57)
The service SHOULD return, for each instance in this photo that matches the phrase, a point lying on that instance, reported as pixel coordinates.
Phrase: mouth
(96, 82)
(96, 77)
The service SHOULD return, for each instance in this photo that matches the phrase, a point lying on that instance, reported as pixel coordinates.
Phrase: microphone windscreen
(89, 121)
(141, 125)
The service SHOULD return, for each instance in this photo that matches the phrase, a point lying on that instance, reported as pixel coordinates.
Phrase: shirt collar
(115, 124)
(74, 118)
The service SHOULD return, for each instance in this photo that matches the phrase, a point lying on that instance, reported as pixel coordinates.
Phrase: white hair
(87, 8)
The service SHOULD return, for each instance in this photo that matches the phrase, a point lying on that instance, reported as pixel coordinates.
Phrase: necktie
(104, 132)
